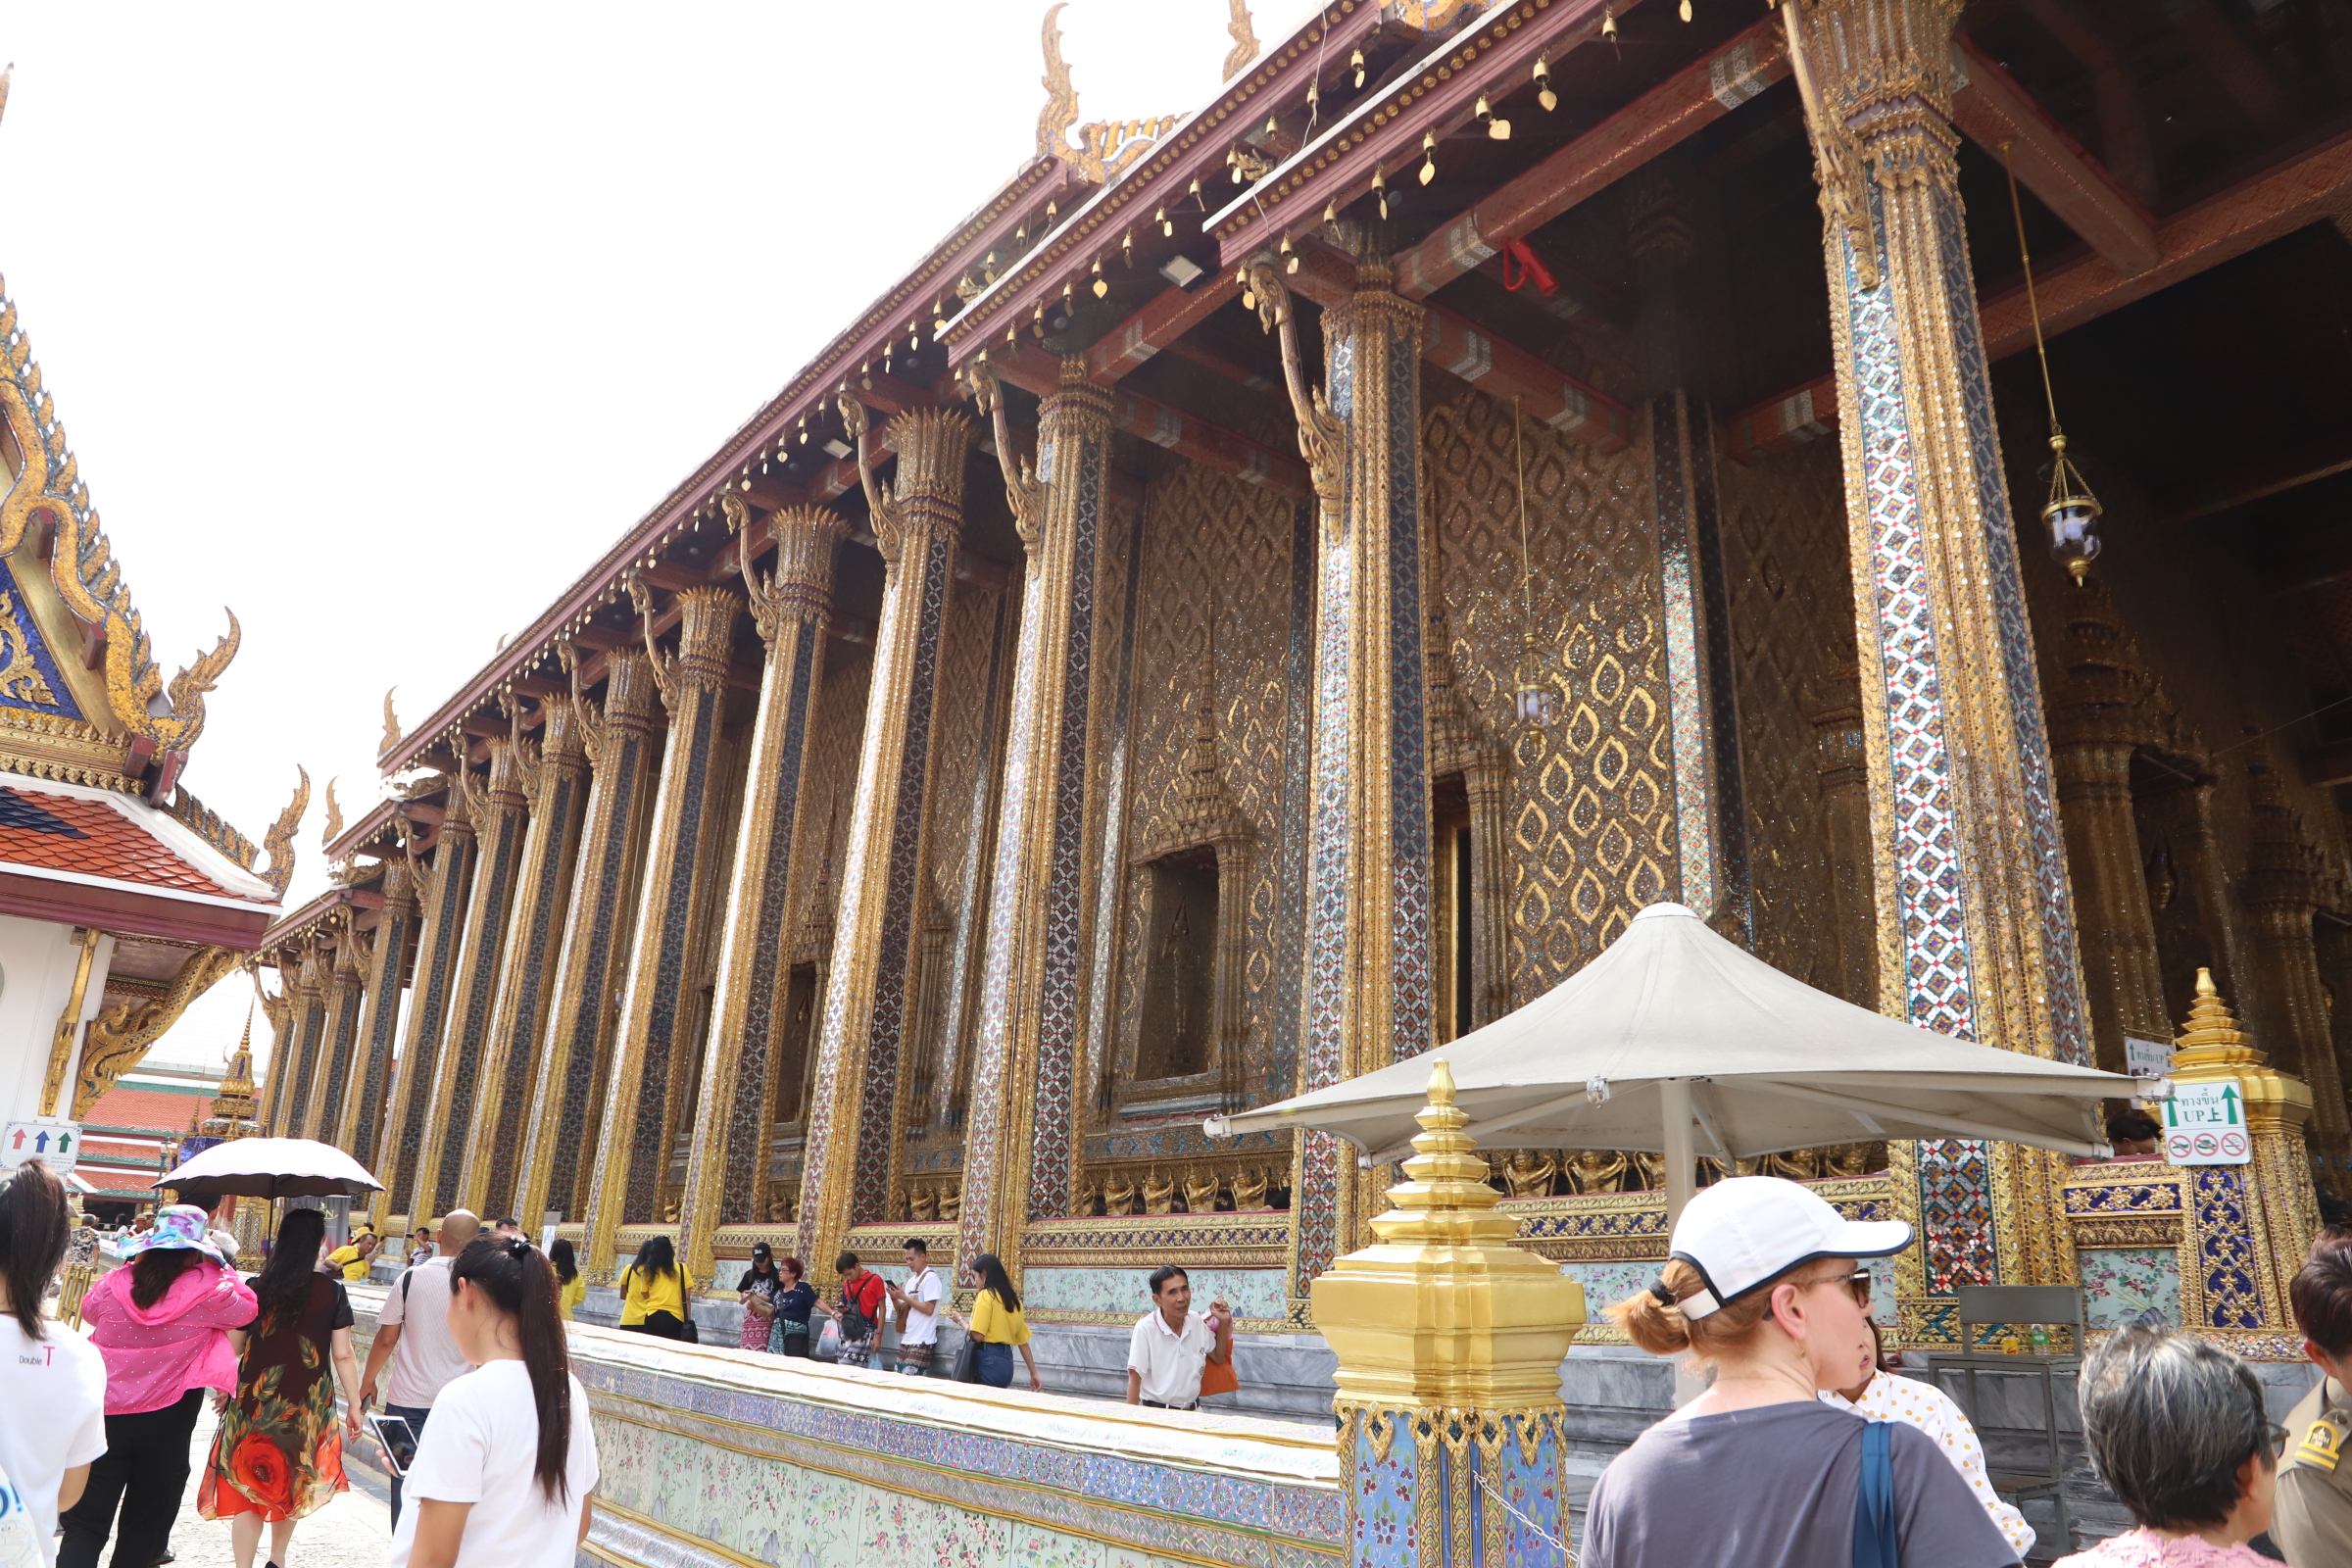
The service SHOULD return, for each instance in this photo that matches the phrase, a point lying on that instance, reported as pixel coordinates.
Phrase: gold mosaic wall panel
(1791, 590)
(1590, 814)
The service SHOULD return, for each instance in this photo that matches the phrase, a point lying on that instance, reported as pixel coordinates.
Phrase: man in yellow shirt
(354, 1260)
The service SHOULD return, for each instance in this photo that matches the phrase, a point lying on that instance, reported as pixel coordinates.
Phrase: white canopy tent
(1677, 1042)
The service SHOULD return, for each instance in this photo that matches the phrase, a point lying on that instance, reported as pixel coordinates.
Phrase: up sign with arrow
(56, 1144)
(2205, 1124)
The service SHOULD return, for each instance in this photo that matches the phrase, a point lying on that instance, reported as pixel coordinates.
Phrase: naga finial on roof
(1061, 114)
(1244, 40)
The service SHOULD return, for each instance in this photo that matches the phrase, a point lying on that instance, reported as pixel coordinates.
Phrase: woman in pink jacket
(162, 1323)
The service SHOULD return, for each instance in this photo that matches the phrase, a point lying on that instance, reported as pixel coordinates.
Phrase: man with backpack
(858, 1314)
(414, 1322)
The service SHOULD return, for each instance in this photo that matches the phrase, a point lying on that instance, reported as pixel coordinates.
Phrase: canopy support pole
(1681, 1151)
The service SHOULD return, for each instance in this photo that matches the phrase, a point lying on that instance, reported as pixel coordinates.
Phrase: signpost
(2205, 1124)
(51, 1140)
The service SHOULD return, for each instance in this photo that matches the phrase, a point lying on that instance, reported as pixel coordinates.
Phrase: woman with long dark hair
(997, 1324)
(278, 1456)
(571, 1285)
(758, 1290)
(654, 1290)
(52, 1381)
(503, 1473)
(164, 1325)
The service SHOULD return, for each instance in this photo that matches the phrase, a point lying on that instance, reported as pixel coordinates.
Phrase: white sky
(378, 324)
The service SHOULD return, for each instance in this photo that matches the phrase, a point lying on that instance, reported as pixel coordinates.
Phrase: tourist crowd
(1809, 1443)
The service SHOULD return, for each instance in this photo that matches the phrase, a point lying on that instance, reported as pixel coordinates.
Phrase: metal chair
(2019, 1307)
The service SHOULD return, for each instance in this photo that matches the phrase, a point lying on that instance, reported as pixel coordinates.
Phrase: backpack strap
(1874, 1543)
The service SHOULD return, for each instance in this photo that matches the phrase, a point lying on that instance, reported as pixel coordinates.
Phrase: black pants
(145, 1470)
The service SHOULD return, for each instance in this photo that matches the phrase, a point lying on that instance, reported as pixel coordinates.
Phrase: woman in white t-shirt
(51, 1381)
(512, 1435)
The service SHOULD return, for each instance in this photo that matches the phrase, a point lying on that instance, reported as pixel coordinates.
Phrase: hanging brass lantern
(2072, 516)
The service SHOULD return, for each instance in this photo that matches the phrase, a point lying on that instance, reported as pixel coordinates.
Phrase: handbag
(1875, 1546)
(967, 1361)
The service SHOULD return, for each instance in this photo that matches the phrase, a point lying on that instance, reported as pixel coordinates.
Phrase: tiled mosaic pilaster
(1020, 1152)
(307, 991)
(679, 855)
(567, 1096)
(346, 995)
(1367, 946)
(1969, 862)
(534, 935)
(1419, 1492)
(845, 1169)
(443, 891)
(359, 1128)
(501, 819)
(726, 1169)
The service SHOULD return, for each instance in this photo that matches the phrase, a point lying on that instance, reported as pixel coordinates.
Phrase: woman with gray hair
(2180, 1433)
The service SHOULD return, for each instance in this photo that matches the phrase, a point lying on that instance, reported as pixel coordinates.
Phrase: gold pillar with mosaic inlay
(1020, 1150)
(360, 1127)
(727, 1160)
(501, 813)
(917, 518)
(346, 998)
(558, 786)
(443, 884)
(566, 1099)
(1367, 985)
(632, 1148)
(1975, 913)
(301, 1052)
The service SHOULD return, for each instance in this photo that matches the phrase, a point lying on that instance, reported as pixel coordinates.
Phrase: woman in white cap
(1756, 1288)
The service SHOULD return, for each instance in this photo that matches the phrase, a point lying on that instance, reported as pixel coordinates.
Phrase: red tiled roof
(90, 838)
(134, 1106)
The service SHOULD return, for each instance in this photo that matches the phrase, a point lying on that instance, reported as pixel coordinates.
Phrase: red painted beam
(2278, 201)
(1993, 109)
(1497, 368)
(1666, 115)
(1384, 132)
(1779, 423)
(1169, 317)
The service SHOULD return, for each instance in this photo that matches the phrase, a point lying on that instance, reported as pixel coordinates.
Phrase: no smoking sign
(2205, 1124)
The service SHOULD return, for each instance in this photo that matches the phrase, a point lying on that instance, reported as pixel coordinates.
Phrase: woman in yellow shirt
(571, 1288)
(654, 1290)
(998, 1325)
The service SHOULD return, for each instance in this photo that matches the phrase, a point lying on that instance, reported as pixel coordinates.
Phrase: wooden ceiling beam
(2273, 475)
(1995, 111)
(1783, 421)
(1211, 445)
(1170, 315)
(2280, 200)
(1660, 118)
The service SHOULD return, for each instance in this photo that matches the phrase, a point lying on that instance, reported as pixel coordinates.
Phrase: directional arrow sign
(55, 1143)
(2205, 1124)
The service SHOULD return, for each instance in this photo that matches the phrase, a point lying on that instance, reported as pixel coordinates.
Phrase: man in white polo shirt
(415, 1321)
(1168, 1348)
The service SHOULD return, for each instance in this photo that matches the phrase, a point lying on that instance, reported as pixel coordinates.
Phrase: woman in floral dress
(278, 1456)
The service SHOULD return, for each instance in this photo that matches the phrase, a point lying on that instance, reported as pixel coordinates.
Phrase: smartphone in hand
(397, 1439)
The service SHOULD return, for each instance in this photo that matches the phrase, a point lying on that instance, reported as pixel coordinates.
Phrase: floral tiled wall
(1252, 1293)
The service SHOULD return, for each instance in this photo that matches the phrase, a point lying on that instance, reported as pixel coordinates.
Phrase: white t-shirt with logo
(922, 1328)
(427, 1358)
(481, 1446)
(52, 1417)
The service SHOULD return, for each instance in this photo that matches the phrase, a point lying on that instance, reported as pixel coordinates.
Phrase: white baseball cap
(1745, 1231)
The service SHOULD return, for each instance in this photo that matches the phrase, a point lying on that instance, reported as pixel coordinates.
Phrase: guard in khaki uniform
(2312, 1517)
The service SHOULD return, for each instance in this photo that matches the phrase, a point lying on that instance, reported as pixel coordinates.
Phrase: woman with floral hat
(278, 1456)
(163, 1324)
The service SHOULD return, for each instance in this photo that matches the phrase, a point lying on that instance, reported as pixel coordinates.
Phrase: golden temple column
(1449, 1342)
(1843, 769)
(567, 1095)
(500, 810)
(845, 1173)
(279, 1011)
(346, 997)
(2282, 893)
(1020, 1145)
(443, 885)
(1367, 997)
(679, 853)
(360, 1126)
(309, 991)
(2096, 724)
(2329, 1140)
(734, 1118)
(2251, 1225)
(1975, 916)
(559, 785)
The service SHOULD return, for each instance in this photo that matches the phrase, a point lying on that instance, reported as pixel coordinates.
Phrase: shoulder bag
(1875, 1546)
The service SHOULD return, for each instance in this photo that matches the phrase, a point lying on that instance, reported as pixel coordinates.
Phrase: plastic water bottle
(2041, 1339)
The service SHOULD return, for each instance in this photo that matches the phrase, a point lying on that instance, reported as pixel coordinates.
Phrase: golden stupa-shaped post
(2272, 1195)
(1449, 1342)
